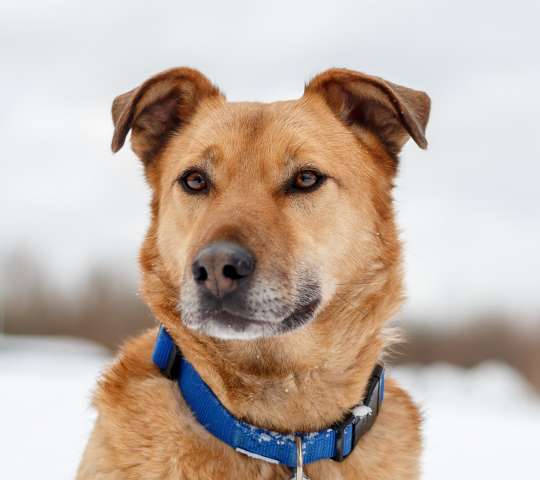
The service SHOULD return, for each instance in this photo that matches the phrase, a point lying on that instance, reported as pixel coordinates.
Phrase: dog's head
(264, 213)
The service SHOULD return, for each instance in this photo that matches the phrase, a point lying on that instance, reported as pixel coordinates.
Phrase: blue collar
(335, 442)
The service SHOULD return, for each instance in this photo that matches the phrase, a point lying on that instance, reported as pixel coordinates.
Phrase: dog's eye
(306, 181)
(194, 181)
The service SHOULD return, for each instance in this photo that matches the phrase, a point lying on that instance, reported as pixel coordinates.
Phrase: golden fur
(347, 124)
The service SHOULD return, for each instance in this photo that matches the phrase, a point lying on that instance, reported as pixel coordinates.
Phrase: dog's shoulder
(132, 377)
(145, 430)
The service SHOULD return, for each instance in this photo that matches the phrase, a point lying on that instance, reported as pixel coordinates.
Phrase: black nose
(221, 266)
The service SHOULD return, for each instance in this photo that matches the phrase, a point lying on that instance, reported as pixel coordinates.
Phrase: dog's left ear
(392, 112)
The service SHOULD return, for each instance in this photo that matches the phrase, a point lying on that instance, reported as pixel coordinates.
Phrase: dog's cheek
(173, 242)
(343, 245)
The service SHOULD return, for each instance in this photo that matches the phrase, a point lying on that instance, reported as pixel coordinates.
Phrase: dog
(272, 263)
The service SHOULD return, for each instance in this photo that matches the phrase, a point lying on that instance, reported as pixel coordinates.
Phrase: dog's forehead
(261, 134)
(253, 124)
(255, 116)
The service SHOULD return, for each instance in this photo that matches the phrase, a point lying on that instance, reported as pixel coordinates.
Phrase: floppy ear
(390, 111)
(157, 108)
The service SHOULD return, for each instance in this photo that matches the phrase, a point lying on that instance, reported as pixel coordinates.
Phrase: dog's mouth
(222, 323)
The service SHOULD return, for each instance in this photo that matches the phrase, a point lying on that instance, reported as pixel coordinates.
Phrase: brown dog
(272, 259)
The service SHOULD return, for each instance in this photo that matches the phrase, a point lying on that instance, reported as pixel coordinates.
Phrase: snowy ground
(480, 424)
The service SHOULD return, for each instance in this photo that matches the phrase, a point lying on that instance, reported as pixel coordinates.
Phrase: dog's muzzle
(225, 296)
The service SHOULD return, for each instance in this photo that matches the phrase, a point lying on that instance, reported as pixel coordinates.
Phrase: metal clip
(298, 472)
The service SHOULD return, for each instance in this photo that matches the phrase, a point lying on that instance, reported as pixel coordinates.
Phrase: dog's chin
(227, 326)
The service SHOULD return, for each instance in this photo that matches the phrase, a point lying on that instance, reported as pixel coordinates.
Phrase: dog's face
(264, 212)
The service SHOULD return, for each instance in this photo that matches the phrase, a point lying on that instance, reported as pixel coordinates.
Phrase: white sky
(469, 207)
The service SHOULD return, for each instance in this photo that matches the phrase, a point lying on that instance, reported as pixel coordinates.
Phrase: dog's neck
(302, 381)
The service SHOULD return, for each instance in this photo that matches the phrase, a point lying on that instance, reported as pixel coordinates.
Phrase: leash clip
(298, 471)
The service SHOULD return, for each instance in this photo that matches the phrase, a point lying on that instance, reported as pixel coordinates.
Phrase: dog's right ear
(157, 108)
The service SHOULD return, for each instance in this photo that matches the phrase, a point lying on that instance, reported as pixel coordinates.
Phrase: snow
(479, 423)
(361, 411)
(45, 417)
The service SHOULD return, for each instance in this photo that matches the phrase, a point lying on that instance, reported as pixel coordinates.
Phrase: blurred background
(73, 216)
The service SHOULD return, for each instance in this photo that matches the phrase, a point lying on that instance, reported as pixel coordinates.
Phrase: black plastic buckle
(360, 425)
(173, 364)
(374, 395)
(339, 428)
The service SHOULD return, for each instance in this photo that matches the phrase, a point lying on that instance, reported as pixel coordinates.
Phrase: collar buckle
(340, 428)
(362, 417)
